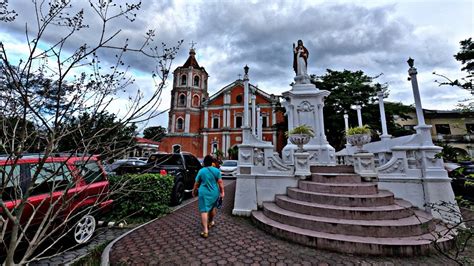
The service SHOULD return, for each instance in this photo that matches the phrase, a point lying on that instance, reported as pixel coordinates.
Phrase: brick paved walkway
(174, 239)
(101, 236)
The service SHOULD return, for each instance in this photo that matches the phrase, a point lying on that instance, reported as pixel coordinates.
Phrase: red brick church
(203, 124)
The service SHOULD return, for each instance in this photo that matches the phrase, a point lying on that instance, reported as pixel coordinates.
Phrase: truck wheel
(177, 195)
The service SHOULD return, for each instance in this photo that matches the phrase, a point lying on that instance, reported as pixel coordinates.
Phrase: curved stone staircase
(336, 211)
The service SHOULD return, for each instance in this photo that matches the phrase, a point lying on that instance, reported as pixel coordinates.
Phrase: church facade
(203, 124)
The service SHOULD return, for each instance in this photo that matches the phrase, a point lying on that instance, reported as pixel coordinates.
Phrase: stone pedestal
(415, 174)
(304, 105)
(301, 164)
(364, 165)
(245, 195)
(261, 174)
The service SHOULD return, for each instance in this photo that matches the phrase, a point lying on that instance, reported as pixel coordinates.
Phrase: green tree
(466, 57)
(347, 89)
(102, 133)
(154, 133)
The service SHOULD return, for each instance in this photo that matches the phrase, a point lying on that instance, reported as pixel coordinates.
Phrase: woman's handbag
(219, 202)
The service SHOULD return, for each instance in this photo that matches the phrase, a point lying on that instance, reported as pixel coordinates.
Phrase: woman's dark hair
(208, 160)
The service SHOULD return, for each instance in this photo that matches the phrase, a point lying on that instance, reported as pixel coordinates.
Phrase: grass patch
(93, 258)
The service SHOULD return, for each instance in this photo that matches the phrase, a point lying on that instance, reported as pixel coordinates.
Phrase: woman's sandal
(204, 235)
(211, 224)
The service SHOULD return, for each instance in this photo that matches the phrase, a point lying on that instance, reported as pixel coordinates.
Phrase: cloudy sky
(369, 35)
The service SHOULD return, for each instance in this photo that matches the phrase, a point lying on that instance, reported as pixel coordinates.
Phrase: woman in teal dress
(208, 186)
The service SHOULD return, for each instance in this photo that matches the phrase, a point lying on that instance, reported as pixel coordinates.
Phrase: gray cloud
(231, 34)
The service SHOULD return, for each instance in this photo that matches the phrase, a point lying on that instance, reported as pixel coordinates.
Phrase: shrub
(146, 196)
(358, 130)
(303, 129)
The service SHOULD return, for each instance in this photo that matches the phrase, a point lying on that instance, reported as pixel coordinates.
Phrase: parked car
(229, 168)
(79, 182)
(183, 166)
(126, 166)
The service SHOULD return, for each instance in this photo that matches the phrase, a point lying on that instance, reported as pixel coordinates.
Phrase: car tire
(177, 196)
(83, 229)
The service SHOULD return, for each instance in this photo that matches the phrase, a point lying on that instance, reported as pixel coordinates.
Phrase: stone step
(336, 178)
(392, 246)
(332, 169)
(418, 224)
(339, 188)
(400, 209)
(382, 198)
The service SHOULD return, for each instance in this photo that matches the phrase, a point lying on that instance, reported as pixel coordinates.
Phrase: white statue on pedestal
(300, 59)
(304, 104)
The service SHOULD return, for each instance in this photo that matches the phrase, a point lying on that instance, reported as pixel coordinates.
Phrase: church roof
(191, 61)
(239, 82)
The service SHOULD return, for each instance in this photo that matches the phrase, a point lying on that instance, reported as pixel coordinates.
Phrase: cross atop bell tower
(192, 43)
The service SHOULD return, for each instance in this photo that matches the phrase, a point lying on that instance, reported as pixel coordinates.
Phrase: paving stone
(102, 235)
(234, 240)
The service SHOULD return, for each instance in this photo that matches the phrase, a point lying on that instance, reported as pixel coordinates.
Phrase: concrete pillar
(246, 97)
(385, 134)
(259, 124)
(223, 142)
(273, 115)
(229, 123)
(359, 114)
(227, 143)
(346, 124)
(187, 120)
(291, 123)
(189, 80)
(173, 123)
(254, 116)
(421, 129)
(224, 117)
(321, 123)
(206, 117)
(205, 144)
(188, 99)
(416, 93)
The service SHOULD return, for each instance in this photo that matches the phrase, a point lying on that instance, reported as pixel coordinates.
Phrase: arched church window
(183, 80)
(180, 124)
(182, 100)
(196, 81)
(195, 101)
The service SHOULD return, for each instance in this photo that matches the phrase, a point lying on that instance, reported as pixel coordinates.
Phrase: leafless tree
(6, 14)
(458, 228)
(33, 113)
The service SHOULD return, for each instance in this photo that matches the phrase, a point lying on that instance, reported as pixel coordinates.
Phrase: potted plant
(300, 135)
(358, 136)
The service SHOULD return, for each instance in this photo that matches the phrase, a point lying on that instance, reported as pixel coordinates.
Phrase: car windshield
(229, 163)
(166, 159)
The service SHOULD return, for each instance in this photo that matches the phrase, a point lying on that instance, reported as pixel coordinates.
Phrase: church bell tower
(188, 93)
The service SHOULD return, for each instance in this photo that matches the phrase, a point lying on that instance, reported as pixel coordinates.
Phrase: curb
(105, 258)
